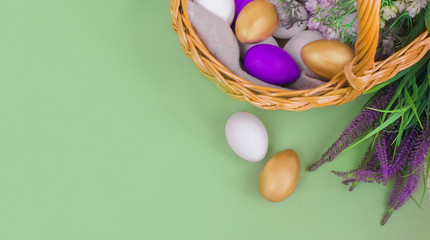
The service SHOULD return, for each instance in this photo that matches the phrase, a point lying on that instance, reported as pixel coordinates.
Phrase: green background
(108, 131)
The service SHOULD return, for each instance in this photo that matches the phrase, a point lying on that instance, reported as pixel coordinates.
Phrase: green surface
(108, 131)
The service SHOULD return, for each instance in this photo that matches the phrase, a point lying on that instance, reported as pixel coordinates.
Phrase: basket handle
(367, 42)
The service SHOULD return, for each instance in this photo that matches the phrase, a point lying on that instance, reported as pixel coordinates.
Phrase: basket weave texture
(360, 75)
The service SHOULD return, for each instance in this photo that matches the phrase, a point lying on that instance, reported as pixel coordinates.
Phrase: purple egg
(271, 64)
(239, 5)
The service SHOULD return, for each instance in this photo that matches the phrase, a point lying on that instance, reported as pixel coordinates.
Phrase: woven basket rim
(357, 77)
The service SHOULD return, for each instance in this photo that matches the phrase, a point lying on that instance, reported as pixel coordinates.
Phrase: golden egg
(256, 22)
(280, 175)
(326, 57)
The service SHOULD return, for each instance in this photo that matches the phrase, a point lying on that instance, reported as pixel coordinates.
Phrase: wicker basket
(357, 77)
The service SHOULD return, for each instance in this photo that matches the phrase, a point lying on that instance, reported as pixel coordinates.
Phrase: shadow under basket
(359, 76)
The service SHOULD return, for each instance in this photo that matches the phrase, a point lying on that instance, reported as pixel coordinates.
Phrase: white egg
(245, 47)
(247, 136)
(294, 45)
(221, 8)
(297, 27)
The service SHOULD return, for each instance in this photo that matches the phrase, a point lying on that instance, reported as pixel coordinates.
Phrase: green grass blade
(419, 25)
(426, 177)
(385, 124)
(414, 109)
(394, 99)
(427, 18)
(415, 201)
(404, 109)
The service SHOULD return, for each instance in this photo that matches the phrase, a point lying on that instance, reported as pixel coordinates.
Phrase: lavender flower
(404, 186)
(311, 6)
(421, 149)
(314, 24)
(408, 188)
(403, 152)
(360, 125)
(407, 182)
(360, 176)
(349, 181)
(334, 19)
(381, 151)
(367, 163)
(378, 165)
(398, 184)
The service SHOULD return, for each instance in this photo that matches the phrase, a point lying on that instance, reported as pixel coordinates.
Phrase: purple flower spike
(408, 188)
(367, 163)
(407, 180)
(359, 176)
(386, 217)
(358, 127)
(417, 157)
(398, 184)
(349, 181)
(381, 151)
(373, 163)
(421, 149)
(403, 152)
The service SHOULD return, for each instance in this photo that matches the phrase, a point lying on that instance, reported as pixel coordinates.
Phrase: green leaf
(426, 177)
(428, 102)
(407, 120)
(391, 111)
(428, 67)
(419, 25)
(395, 97)
(427, 17)
(381, 127)
(414, 109)
(415, 201)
